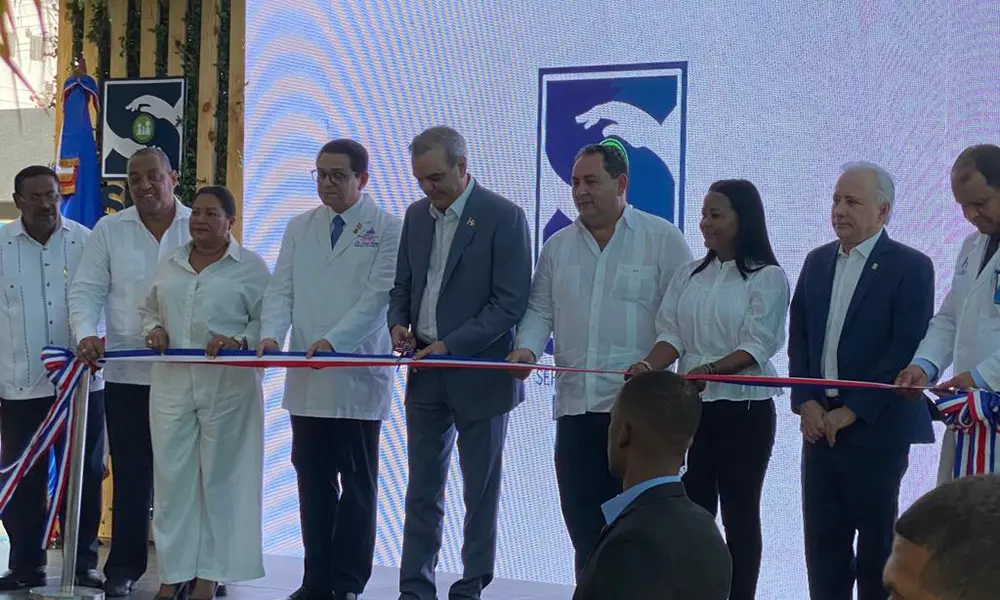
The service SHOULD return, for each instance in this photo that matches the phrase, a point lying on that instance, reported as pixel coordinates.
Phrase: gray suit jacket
(662, 547)
(484, 294)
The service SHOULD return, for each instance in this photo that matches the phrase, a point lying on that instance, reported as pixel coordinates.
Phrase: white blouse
(717, 312)
(224, 299)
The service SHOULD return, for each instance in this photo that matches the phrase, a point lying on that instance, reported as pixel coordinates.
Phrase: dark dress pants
(848, 490)
(584, 481)
(726, 466)
(336, 466)
(132, 478)
(24, 518)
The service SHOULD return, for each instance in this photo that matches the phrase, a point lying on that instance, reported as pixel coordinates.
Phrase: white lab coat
(207, 422)
(965, 332)
(340, 295)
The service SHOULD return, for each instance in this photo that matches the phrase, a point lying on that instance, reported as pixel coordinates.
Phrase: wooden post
(118, 13)
(208, 92)
(150, 12)
(64, 63)
(175, 37)
(237, 86)
(90, 49)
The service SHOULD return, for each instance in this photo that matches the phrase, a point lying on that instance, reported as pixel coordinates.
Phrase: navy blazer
(484, 294)
(886, 319)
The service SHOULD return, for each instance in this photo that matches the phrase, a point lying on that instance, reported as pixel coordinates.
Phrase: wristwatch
(242, 341)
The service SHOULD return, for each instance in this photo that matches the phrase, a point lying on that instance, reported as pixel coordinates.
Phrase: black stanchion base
(54, 592)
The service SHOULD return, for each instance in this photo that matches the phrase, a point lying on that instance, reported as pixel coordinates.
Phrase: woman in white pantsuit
(206, 421)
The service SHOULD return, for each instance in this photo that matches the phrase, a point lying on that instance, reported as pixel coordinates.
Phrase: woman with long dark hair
(725, 314)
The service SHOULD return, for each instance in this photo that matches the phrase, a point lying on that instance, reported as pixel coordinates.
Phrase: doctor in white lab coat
(331, 285)
(965, 332)
(206, 421)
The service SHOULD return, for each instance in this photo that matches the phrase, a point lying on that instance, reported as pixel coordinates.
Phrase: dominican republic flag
(78, 169)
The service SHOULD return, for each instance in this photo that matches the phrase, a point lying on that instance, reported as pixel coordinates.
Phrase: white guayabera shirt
(34, 284)
(115, 272)
(600, 306)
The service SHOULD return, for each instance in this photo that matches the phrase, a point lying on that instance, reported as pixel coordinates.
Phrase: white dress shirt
(341, 295)
(445, 226)
(599, 305)
(716, 312)
(114, 276)
(224, 299)
(845, 281)
(35, 281)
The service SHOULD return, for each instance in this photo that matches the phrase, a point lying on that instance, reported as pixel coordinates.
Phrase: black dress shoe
(90, 578)
(118, 588)
(221, 591)
(20, 580)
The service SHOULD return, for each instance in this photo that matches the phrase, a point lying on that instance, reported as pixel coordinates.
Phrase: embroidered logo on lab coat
(368, 239)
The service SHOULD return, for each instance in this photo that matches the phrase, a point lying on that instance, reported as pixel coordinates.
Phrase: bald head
(653, 420)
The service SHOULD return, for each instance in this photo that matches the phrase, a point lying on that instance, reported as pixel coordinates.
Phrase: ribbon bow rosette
(975, 417)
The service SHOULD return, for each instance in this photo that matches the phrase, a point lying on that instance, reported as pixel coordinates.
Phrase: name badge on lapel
(996, 287)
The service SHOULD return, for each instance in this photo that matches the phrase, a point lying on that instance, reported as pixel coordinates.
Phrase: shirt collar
(865, 247)
(720, 264)
(233, 251)
(352, 214)
(628, 217)
(18, 226)
(613, 508)
(459, 204)
(132, 213)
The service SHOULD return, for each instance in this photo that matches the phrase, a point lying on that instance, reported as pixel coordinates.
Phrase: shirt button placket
(596, 296)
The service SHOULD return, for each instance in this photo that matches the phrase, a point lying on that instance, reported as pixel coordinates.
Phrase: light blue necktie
(338, 228)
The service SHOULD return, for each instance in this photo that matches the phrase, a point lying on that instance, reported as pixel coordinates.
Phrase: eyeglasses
(337, 177)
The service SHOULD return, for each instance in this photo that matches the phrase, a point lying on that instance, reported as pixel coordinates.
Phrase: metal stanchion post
(71, 533)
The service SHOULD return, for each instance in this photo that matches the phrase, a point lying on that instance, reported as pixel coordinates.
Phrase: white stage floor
(284, 573)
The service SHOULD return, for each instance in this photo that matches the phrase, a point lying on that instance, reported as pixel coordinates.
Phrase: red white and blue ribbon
(65, 372)
(333, 360)
(975, 417)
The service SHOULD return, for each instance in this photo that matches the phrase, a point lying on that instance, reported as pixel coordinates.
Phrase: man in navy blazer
(463, 275)
(861, 306)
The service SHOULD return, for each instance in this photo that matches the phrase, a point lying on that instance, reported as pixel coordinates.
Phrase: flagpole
(74, 493)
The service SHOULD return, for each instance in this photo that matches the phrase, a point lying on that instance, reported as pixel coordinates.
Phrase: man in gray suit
(463, 276)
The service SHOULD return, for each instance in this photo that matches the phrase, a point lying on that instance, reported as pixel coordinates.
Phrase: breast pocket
(10, 290)
(129, 289)
(991, 305)
(635, 283)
